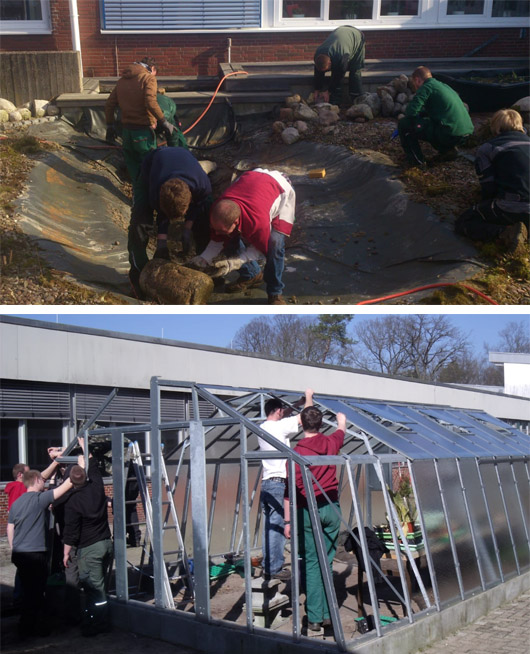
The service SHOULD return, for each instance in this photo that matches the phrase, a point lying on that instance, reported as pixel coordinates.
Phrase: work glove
(186, 240)
(198, 263)
(222, 265)
(165, 126)
(111, 135)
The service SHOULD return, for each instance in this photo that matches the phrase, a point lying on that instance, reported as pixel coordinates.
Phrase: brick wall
(109, 490)
(106, 55)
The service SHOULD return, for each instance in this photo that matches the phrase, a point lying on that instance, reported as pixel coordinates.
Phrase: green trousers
(413, 129)
(136, 143)
(94, 561)
(317, 608)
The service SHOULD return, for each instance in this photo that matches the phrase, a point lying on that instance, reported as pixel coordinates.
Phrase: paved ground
(506, 629)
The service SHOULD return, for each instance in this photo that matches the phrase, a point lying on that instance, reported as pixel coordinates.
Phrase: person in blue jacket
(173, 184)
(503, 168)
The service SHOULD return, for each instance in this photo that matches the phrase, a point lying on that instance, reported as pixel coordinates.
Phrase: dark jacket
(168, 163)
(135, 94)
(86, 520)
(503, 167)
(443, 105)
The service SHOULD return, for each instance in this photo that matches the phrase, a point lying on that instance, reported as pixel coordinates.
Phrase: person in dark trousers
(503, 169)
(136, 96)
(282, 426)
(26, 535)
(315, 443)
(436, 114)
(87, 528)
(250, 222)
(342, 51)
(173, 184)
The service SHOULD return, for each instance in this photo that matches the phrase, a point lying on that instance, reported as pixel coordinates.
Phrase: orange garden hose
(423, 288)
(237, 72)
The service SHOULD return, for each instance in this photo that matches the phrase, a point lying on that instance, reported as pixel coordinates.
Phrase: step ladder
(181, 561)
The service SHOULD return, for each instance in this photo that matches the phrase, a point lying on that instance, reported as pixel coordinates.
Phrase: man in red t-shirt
(249, 222)
(16, 488)
(313, 444)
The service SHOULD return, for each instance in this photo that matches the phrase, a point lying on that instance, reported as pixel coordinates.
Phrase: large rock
(278, 126)
(25, 114)
(52, 110)
(15, 116)
(391, 90)
(293, 99)
(402, 98)
(303, 112)
(400, 83)
(387, 104)
(4, 116)
(301, 126)
(372, 100)
(327, 117)
(166, 282)
(359, 111)
(38, 107)
(523, 107)
(6, 105)
(286, 114)
(290, 135)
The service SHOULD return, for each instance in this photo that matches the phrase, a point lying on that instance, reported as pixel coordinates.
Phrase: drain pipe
(74, 23)
(229, 43)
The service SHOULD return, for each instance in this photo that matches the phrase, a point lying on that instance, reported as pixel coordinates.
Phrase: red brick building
(193, 38)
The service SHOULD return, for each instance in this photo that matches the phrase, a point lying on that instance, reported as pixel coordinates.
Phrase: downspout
(74, 23)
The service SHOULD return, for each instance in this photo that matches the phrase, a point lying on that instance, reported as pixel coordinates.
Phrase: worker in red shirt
(16, 488)
(249, 223)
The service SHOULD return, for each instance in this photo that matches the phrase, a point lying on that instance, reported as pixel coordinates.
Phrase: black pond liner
(486, 96)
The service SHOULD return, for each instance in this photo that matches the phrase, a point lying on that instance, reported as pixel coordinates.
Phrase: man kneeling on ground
(249, 222)
(503, 169)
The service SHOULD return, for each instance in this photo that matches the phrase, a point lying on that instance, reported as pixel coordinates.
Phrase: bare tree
(418, 346)
(256, 336)
(515, 337)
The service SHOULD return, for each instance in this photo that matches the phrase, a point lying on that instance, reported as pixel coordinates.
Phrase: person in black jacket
(503, 168)
(173, 184)
(87, 527)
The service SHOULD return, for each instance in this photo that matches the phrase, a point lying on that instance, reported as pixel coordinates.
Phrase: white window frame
(20, 27)
(431, 14)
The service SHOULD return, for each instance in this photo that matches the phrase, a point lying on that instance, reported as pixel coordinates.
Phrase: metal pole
(295, 569)
(243, 486)
(514, 548)
(525, 526)
(118, 506)
(156, 493)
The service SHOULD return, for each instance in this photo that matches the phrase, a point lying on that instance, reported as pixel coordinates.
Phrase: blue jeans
(271, 498)
(274, 265)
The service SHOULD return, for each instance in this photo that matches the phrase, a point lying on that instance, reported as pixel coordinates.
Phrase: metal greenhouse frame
(469, 474)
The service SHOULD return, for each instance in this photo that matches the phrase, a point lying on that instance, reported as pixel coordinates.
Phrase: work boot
(314, 626)
(241, 285)
(134, 279)
(276, 299)
(282, 575)
(444, 157)
(514, 237)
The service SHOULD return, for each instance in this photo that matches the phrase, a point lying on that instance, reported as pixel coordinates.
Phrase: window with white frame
(175, 15)
(25, 17)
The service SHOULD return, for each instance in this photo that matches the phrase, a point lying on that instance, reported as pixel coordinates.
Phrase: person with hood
(315, 443)
(172, 183)
(435, 114)
(249, 222)
(136, 96)
(503, 169)
(342, 51)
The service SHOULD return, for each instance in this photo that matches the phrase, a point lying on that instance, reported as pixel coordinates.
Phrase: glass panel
(510, 8)
(43, 434)
(498, 518)
(301, 9)
(479, 518)
(514, 514)
(8, 448)
(20, 10)
(454, 502)
(437, 534)
(350, 9)
(523, 485)
(399, 7)
(461, 7)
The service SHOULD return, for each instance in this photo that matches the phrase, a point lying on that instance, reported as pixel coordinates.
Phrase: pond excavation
(433, 508)
(357, 234)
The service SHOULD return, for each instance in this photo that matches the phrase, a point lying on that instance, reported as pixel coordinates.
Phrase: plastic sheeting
(357, 235)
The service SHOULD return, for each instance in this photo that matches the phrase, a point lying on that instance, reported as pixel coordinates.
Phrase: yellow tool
(317, 172)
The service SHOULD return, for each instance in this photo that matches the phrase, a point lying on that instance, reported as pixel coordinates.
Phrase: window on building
(8, 448)
(510, 9)
(43, 434)
(351, 9)
(174, 15)
(25, 16)
(465, 7)
(399, 7)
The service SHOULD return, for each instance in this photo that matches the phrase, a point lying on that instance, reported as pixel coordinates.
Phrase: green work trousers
(136, 143)
(413, 129)
(317, 608)
(94, 561)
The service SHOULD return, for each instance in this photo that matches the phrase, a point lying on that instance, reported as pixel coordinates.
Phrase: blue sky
(219, 328)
